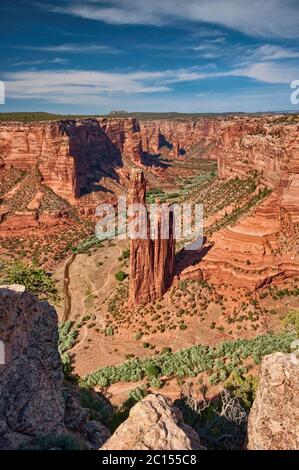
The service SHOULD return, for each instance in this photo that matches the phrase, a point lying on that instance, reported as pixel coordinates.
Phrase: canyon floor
(192, 312)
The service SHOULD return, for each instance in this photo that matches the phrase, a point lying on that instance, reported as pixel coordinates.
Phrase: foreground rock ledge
(154, 424)
(34, 401)
(274, 417)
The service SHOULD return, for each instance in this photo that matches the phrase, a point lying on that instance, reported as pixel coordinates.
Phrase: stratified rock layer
(151, 259)
(179, 136)
(274, 417)
(72, 156)
(154, 424)
(263, 246)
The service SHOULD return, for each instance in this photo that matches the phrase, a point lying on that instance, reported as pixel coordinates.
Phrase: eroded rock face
(31, 398)
(151, 259)
(125, 134)
(34, 401)
(274, 417)
(154, 424)
(72, 156)
(179, 136)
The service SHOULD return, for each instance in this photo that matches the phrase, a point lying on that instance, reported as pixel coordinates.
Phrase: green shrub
(120, 276)
(35, 279)
(137, 394)
(126, 254)
(243, 387)
(109, 331)
(292, 321)
(156, 383)
(86, 245)
(227, 356)
(152, 370)
(67, 337)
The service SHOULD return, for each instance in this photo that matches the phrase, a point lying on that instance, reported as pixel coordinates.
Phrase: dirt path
(84, 329)
(66, 289)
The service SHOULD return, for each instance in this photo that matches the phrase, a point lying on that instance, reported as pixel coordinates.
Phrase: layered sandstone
(263, 246)
(179, 136)
(125, 134)
(274, 417)
(151, 254)
(154, 424)
(72, 156)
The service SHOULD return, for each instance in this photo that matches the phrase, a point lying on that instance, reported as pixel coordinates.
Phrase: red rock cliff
(72, 156)
(178, 136)
(151, 260)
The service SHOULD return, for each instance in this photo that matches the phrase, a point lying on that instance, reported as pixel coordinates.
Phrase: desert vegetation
(34, 278)
(218, 362)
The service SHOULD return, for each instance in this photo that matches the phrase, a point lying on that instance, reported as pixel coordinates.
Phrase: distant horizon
(110, 113)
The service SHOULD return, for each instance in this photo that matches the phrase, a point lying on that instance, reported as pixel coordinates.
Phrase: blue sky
(94, 56)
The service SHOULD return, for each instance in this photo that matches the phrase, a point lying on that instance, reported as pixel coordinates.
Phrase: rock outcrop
(274, 417)
(72, 156)
(125, 135)
(151, 258)
(177, 136)
(154, 424)
(264, 245)
(33, 399)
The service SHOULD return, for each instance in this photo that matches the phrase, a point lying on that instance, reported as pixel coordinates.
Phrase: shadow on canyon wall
(186, 258)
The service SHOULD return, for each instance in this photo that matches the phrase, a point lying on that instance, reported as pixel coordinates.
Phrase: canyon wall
(151, 260)
(180, 136)
(264, 245)
(31, 399)
(72, 156)
(91, 156)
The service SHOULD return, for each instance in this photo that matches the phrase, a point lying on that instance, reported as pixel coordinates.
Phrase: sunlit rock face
(154, 424)
(71, 155)
(151, 260)
(274, 417)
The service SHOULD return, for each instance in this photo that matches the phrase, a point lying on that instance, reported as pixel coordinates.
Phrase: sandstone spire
(151, 259)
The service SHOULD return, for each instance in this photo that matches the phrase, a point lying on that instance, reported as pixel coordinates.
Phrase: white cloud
(268, 72)
(274, 52)
(266, 18)
(71, 48)
(33, 63)
(72, 86)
